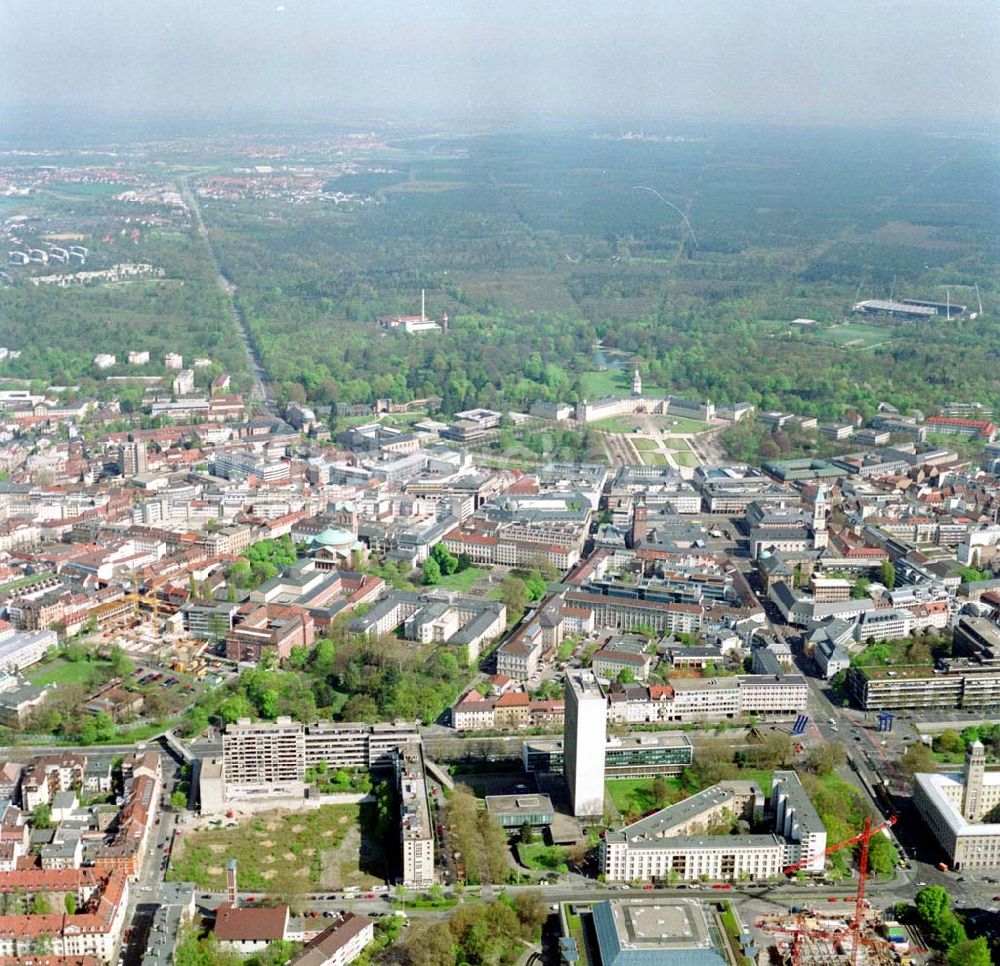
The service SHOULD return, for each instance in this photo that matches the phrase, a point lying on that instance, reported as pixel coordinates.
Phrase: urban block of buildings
(677, 844)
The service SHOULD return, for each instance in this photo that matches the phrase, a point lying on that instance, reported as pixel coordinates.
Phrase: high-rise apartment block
(132, 458)
(264, 759)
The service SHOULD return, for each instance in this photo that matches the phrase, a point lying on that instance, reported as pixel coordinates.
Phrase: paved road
(144, 891)
(229, 290)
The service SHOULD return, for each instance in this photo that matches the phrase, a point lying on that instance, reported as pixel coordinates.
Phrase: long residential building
(94, 929)
(957, 684)
(684, 700)
(672, 844)
(265, 761)
(19, 651)
(416, 835)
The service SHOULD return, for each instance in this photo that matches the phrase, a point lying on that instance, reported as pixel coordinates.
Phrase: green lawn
(142, 732)
(636, 794)
(576, 931)
(60, 671)
(684, 425)
(403, 419)
(642, 444)
(687, 459)
(605, 382)
(542, 858)
(729, 923)
(762, 778)
(617, 424)
(22, 582)
(678, 445)
(462, 580)
(854, 334)
(653, 459)
(614, 382)
(424, 902)
(273, 850)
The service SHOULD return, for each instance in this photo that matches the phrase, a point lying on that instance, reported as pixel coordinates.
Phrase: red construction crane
(864, 837)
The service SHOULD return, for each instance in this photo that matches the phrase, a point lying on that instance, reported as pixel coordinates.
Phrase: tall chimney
(423, 312)
(232, 893)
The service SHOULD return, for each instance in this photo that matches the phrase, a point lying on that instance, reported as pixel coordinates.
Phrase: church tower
(820, 503)
(636, 382)
(975, 769)
(640, 523)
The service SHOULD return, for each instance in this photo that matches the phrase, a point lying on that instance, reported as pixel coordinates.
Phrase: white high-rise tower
(584, 738)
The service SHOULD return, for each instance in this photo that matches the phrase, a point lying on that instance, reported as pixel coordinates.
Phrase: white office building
(960, 809)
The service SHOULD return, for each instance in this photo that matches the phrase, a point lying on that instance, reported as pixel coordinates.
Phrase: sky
(505, 61)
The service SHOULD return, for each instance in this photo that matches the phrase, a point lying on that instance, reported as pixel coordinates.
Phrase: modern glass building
(631, 756)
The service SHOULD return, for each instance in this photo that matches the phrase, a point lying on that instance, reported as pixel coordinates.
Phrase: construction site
(815, 937)
(854, 933)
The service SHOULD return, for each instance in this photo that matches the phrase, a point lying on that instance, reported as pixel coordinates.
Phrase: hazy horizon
(516, 63)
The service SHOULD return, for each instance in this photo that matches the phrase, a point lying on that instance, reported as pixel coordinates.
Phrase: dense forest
(537, 246)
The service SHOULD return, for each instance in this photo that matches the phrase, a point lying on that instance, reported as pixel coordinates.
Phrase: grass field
(64, 672)
(680, 424)
(636, 794)
(687, 459)
(273, 851)
(616, 424)
(653, 459)
(614, 382)
(854, 335)
(463, 580)
(576, 931)
(680, 445)
(542, 858)
(642, 444)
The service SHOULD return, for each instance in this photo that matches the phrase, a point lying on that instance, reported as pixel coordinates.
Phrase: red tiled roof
(262, 924)
(660, 691)
(513, 699)
(982, 425)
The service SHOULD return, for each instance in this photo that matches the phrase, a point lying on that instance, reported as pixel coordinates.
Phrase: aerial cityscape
(459, 507)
